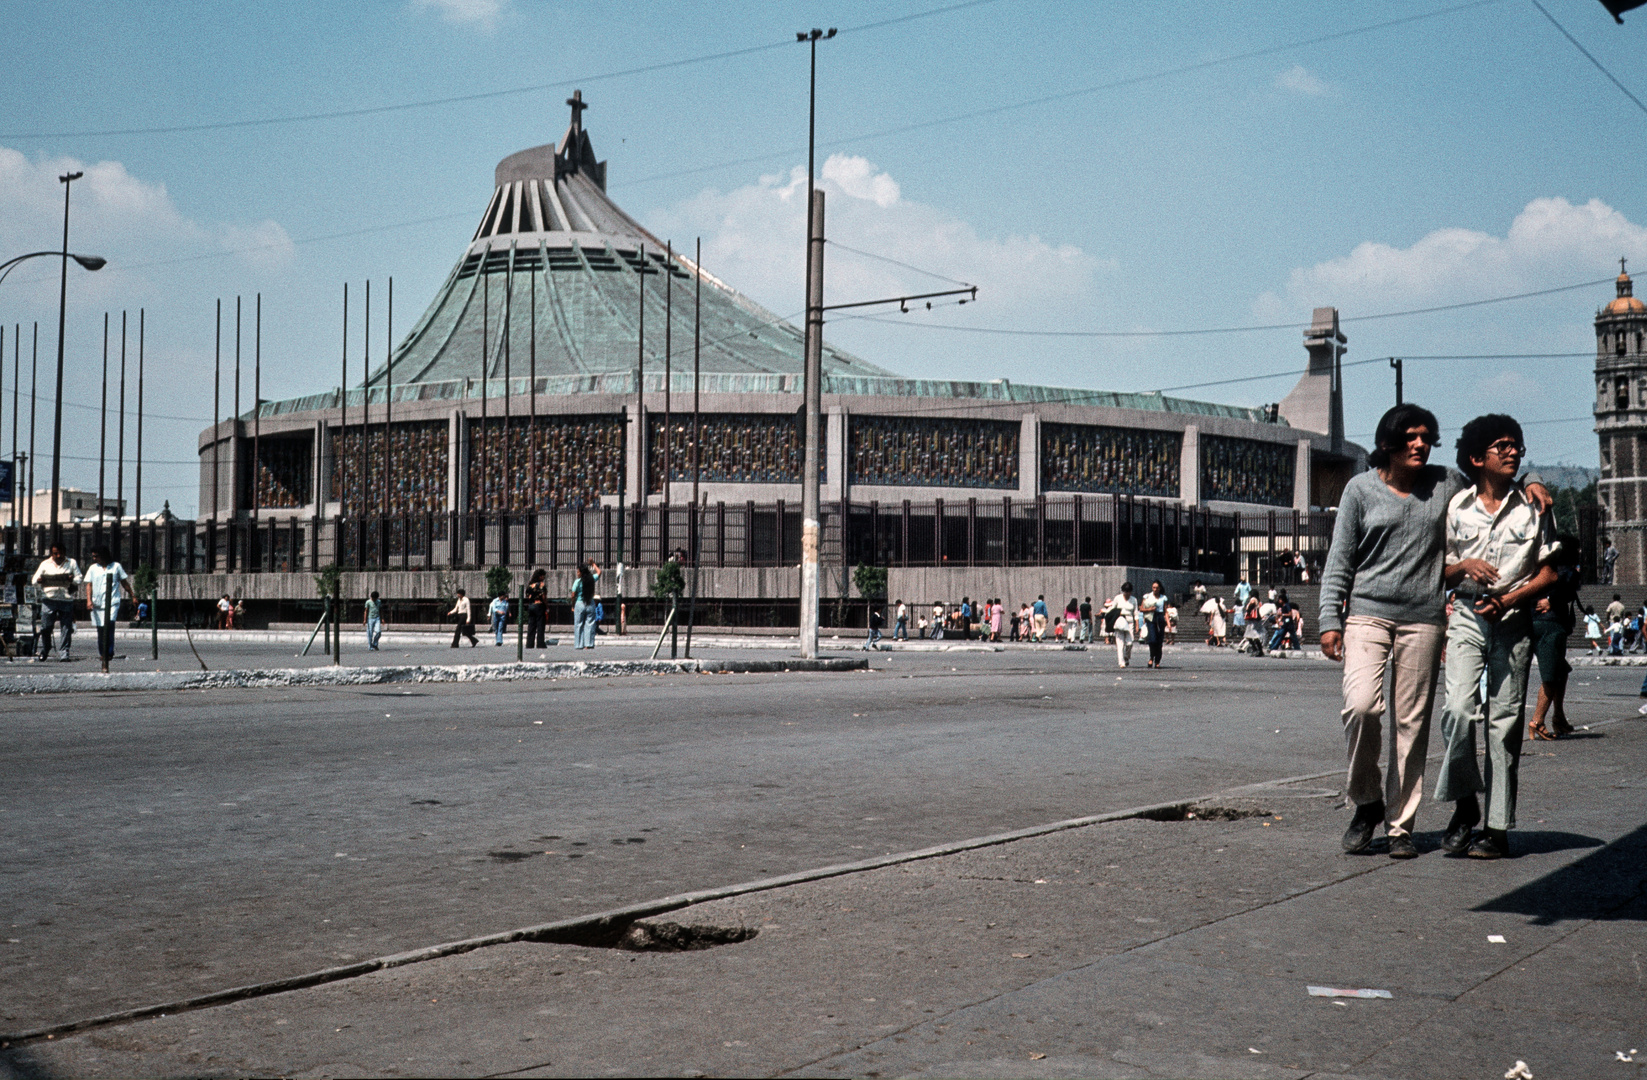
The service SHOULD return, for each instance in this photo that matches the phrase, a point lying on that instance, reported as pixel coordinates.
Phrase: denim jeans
(583, 625)
(374, 630)
(1504, 652)
(498, 622)
(56, 611)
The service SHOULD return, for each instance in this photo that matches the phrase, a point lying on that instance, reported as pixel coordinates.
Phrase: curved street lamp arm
(84, 260)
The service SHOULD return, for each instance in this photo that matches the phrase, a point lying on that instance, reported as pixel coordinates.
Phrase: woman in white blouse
(1124, 610)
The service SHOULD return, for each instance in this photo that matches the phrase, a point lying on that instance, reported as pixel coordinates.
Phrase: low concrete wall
(1014, 584)
(746, 583)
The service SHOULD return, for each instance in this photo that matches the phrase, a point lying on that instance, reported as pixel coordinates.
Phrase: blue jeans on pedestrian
(374, 630)
(900, 630)
(498, 622)
(54, 612)
(583, 625)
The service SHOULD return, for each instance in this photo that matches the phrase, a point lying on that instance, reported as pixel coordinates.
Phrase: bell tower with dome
(1621, 425)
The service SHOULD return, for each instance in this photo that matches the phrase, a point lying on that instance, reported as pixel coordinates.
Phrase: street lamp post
(67, 179)
(811, 514)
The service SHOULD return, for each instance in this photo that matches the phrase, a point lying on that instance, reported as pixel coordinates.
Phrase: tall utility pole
(811, 527)
(67, 180)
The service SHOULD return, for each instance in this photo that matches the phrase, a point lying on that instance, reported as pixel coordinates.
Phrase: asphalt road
(162, 845)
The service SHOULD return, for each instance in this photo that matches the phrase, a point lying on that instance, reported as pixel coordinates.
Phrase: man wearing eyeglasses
(1499, 551)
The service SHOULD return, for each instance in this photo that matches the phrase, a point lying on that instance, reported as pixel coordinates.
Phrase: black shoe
(1401, 847)
(1491, 844)
(1464, 820)
(1358, 837)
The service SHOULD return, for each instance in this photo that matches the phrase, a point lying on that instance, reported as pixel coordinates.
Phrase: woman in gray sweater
(1383, 607)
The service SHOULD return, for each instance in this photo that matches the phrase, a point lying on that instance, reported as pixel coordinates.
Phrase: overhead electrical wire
(1589, 56)
(484, 95)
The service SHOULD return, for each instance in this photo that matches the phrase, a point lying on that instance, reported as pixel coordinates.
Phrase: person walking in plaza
(1152, 616)
(1552, 626)
(105, 592)
(225, 613)
(1038, 615)
(583, 605)
(1499, 554)
(372, 619)
(1086, 621)
(58, 579)
(1383, 613)
(876, 621)
(465, 620)
(1217, 633)
(997, 613)
(900, 625)
(1072, 620)
(537, 609)
(1592, 630)
(1122, 613)
(498, 609)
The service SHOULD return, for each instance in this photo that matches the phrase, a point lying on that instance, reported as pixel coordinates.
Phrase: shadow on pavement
(18, 1064)
(1598, 886)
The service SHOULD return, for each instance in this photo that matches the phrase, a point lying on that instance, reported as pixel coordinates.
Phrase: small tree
(143, 581)
(670, 580)
(498, 580)
(329, 579)
(870, 580)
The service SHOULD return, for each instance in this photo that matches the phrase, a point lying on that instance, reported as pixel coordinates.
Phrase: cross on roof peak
(578, 105)
(1621, 265)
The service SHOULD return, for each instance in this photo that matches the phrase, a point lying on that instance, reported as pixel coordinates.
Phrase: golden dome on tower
(1626, 304)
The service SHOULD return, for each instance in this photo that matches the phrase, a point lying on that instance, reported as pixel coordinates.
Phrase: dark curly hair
(1393, 427)
(1481, 433)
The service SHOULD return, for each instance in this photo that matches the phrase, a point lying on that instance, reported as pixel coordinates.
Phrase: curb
(83, 682)
(605, 927)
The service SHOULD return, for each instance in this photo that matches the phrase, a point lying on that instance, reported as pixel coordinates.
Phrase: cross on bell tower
(578, 105)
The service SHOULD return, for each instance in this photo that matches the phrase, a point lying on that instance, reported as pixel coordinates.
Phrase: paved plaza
(167, 845)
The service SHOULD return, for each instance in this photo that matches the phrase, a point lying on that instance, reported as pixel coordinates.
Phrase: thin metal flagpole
(34, 402)
(365, 414)
(234, 425)
(508, 338)
(668, 377)
(257, 417)
(339, 452)
(532, 390)
(120, 452)
(389, 403)
(103, 425)
(137, 491)
(217, 411)
(485, 374)
(695, 540)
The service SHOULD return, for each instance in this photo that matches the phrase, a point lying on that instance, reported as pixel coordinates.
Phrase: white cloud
(858, 178)
(481, 13)
(1300, 80)
(754, 238)
(123, 218)
(1551, 242)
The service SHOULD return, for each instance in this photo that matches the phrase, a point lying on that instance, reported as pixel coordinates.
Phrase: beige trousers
(1411, 652)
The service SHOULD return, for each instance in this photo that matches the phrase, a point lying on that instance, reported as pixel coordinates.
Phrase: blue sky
(1465, 156)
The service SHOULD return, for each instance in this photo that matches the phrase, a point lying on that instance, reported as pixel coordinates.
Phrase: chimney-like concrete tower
(1316, 403)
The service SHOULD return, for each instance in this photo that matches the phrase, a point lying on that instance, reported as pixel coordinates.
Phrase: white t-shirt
(106, 582)
(1128, 608)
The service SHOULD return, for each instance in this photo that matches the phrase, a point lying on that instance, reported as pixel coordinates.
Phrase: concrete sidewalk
(1182, 946)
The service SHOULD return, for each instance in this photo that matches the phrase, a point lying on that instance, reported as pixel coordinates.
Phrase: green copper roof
(551, 283)
(999, 391)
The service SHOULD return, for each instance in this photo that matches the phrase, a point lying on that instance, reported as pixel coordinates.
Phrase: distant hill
(1566, 476)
